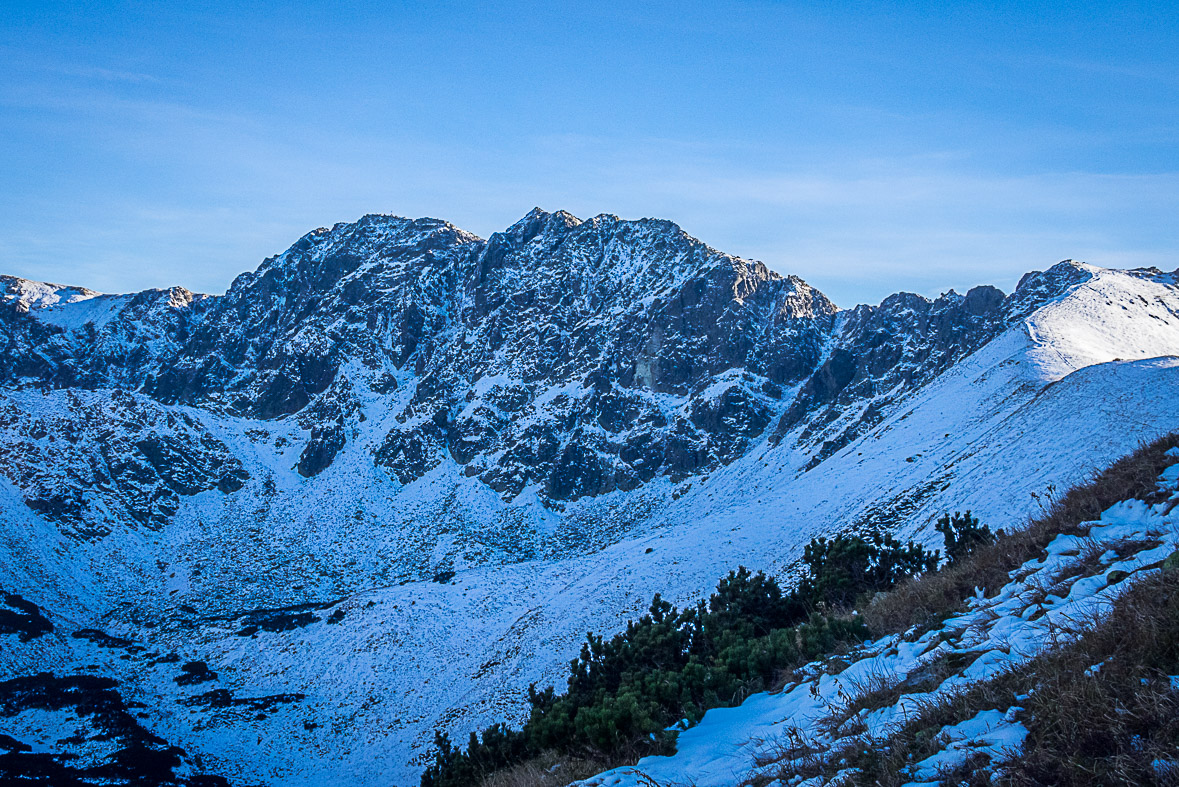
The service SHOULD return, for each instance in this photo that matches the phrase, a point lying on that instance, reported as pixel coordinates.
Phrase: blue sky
(865, 147)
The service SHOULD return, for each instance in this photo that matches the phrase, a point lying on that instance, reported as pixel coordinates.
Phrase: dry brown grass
(1086, 726)
(799, 754)
(548, 770)
(881, 764)
(1104, 727)
(930, 598)
(1109, 725)
(807, 757)
(882, 689)
(876, 690)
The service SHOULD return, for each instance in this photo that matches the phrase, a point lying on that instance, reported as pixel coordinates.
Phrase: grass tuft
(550, 769)
(929, 599)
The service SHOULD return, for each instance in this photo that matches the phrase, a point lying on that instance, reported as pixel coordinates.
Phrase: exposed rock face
(130, 753)
(109, 455)
(881, 354)
(572, 357)
(553, 424)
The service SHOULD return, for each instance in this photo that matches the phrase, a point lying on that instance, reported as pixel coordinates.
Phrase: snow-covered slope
(569, 416)
(1048, 602)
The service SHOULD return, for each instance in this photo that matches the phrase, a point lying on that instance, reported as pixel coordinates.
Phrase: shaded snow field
(1046, 603)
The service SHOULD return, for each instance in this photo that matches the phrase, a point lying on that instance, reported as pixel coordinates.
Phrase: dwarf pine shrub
(671, 664)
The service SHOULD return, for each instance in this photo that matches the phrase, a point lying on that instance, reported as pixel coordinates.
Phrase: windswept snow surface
(372, 656)
(1046, 603)
(40, 295)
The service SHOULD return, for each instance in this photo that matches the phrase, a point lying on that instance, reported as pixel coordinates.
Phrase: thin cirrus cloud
(855, 234)
(103, 74)
(867, 152)
(858, 236)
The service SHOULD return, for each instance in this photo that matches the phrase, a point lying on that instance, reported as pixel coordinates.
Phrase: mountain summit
(576, 357)
(394, 474)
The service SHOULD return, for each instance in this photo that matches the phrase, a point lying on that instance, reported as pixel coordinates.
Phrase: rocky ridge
(571, 357)
(393, 476)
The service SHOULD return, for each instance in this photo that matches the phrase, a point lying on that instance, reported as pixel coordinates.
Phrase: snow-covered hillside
(1048, 602)
(569, 416)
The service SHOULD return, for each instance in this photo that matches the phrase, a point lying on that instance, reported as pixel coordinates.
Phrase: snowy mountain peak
(25, 295)
(633, 322)
(1037, 287)
(424, 464)
(538, 221)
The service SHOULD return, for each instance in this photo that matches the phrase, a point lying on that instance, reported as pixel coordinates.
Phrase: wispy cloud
(1091, 66)
(858, 230)
(845, 159)
(102, 74)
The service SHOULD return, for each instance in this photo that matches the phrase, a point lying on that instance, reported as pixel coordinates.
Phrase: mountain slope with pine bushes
(391, 478)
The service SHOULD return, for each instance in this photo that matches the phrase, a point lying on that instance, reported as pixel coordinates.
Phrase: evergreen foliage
(846, 567)
(672, 665)
(963, 534)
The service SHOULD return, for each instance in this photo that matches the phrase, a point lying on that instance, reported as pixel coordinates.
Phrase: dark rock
(1114, 577)
(194, 672)
(136, 755)
(223, 698)
(119, 453)
(23, 618)
(9, 743)
(102, 639)
(275, 620)
(325, 443)
(983, 300)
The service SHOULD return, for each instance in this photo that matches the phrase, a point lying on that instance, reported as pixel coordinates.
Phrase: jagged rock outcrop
(573, 357)
(882, 353)
(108, 456)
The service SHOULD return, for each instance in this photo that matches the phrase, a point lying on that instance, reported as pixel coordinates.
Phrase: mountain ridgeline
(569, 357)
(393, 476)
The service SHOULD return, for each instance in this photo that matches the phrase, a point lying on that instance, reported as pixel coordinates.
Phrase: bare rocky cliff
(572, 357)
